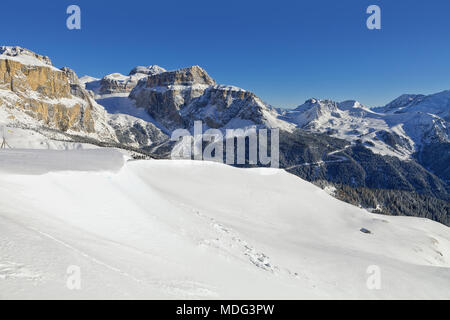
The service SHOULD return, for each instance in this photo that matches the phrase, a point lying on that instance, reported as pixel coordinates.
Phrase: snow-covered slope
(425, 118)
(160, 229)
(25, 57)
(438, 104)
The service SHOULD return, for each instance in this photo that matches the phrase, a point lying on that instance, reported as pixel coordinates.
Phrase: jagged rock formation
(52, 97)
(39, 90)
(177, 98)
(135, 132)
(117, 83)
(163, 95)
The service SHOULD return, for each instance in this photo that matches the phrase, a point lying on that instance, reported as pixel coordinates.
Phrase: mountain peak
(403, 101)
(351, 105)
(150, 70)
(320, 104)
(311, 101)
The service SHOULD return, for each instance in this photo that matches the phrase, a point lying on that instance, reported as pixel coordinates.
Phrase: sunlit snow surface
(199, 230)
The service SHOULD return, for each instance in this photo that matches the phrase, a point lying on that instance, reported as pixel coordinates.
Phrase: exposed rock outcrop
(54, 97)
(118, 83)
(183, 77)
(177, 98)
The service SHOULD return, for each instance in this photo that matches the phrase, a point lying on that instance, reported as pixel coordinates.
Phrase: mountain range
(391, 159)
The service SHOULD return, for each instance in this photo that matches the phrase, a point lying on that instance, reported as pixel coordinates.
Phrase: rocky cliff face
(182, 77)
(117, 83)
(219, 105)
(164, 95)
(177, 98)
(51, 96)
(18, 74)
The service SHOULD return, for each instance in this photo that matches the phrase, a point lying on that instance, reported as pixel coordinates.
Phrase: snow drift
(185, 229)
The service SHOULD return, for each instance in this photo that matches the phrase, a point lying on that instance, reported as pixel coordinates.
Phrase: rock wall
(46, 94)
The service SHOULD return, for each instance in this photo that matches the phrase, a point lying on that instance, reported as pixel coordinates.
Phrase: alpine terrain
(87, 184)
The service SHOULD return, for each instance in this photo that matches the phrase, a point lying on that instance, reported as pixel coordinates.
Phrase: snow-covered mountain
(155, 102)
(438, 104)
(402, 146)
(33, 93)
(425, 118)
(139, 229)
(398, 129)
(175, 99)
(53, 103)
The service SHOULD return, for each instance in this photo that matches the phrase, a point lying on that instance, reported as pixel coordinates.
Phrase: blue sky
(284, 51)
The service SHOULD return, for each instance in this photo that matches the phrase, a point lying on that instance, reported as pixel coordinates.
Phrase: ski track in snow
(87, 256)
(177, 288)
(173, 287)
